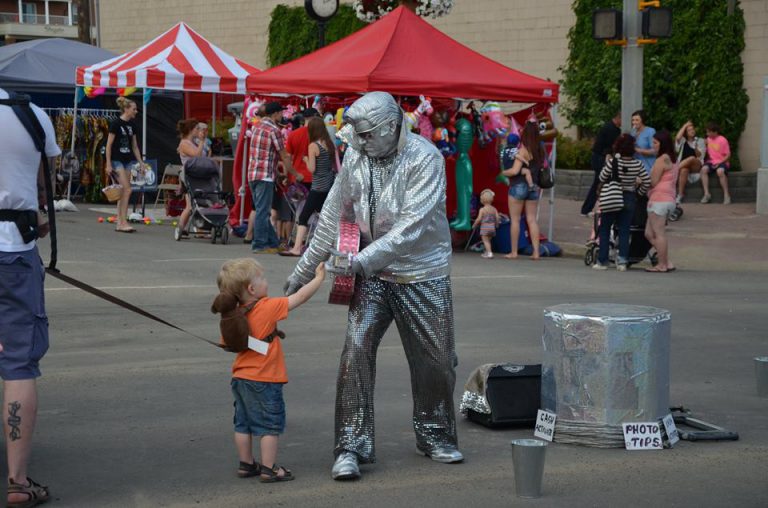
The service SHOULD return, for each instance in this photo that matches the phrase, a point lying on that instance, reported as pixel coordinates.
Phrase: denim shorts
(661, 208)
(122, 165)
(714, 167)
(259, 407)
(23, 322)
(522, 192)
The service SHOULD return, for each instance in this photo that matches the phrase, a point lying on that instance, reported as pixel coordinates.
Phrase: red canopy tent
(403, 55)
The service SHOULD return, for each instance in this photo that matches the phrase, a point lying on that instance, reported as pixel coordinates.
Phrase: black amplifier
(514, 395)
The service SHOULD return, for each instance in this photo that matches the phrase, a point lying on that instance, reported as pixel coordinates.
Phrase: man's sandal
(34, 492)
(248, 470)
(272, 475)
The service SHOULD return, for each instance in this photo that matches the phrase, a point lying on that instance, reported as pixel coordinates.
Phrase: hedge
(697, 74)
(292, 33)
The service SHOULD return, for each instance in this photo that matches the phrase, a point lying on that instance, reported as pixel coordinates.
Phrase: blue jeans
(624, 220)
(264, 236)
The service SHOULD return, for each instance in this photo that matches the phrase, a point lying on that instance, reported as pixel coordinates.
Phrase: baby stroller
(210, 212)
(639, 246)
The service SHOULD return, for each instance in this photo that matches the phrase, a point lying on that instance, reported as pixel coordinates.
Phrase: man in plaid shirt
(265, 150)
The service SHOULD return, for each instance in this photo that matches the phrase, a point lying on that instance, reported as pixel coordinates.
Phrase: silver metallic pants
(423, 313)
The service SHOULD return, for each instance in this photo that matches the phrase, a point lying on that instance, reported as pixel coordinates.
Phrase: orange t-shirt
(269, 368)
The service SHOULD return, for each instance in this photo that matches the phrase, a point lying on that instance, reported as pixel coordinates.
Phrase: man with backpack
(23, 322)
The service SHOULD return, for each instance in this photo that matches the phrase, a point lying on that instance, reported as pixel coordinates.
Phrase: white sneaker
(727, 201)
(621, 268)
(598, 266)
(706, 199)
(486, 255)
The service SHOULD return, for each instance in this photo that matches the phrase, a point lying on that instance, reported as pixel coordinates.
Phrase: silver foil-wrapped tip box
(606, 363)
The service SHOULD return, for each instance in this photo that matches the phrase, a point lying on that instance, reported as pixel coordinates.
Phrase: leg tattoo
(14, 421)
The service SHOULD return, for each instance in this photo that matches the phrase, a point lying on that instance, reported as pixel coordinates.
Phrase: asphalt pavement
(133, 413)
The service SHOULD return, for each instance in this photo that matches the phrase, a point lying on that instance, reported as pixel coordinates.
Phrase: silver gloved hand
(291, 286)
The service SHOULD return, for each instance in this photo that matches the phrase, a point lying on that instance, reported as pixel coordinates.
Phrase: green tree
(697, 74)
(293, 34)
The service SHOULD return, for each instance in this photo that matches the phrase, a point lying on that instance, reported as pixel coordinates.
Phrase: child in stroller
(639, 246)
(210, 212)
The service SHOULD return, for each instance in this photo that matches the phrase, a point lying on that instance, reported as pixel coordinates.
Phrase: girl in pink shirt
(661, 199)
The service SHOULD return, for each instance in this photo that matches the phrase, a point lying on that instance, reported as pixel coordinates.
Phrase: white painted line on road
(188, 259)
(105, 288)
(490, 277)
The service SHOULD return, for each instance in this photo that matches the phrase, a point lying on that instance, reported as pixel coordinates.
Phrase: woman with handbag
(523, 191)
(618, 192)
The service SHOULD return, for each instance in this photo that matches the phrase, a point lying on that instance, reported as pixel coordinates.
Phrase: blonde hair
(236, 274)
(487, 192)
(124, 103)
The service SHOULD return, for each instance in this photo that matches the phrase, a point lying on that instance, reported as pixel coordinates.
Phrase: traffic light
(607, 24)
(657, 22)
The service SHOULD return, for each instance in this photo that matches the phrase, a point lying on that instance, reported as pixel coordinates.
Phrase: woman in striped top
(321, 162)
(634, 180)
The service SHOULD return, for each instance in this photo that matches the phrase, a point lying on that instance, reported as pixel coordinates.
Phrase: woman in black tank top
(690, 152)
(321, 162)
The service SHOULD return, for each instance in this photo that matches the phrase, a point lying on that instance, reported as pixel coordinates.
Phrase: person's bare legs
(301, 233)
(184, 217)
(658, 226)
(125, 198)
(515, 211)
(487, 244)
(705, 179)
(249, 231)
(724, 184)
(689, 165)
(268, 452)
(244, 446)
(19, 414)
(533, 226)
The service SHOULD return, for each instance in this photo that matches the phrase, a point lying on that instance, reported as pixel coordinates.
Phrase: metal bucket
(761, 374)
(528, 461)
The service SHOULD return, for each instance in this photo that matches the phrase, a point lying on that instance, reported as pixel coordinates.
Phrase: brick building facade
(530, 37)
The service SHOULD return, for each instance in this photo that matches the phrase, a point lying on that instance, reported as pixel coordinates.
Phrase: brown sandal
(248, 470)
(272, 475)
(35, 493)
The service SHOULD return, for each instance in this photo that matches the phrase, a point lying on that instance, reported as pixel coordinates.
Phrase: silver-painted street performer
(392, 186)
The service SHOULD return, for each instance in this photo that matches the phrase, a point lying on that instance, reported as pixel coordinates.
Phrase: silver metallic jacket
(410, 240)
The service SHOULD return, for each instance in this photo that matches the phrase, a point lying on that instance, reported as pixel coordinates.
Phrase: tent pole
(144, 128)
(554, 164)
(243, 183)
(213, 117)
(72, 144)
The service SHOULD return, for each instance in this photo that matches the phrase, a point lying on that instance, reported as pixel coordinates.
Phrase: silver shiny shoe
(346, 467)
(445, 454)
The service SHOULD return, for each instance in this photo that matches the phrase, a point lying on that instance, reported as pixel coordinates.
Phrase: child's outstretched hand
(320, 271)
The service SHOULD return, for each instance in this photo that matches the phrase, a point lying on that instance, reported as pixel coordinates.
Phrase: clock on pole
(321, 11)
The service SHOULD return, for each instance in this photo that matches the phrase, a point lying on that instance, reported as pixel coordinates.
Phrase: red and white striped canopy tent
(179, 59)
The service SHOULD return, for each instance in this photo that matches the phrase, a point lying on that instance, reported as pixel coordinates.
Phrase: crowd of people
(668, 165)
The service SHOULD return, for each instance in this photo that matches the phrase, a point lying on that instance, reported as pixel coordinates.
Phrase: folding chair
(169, 182)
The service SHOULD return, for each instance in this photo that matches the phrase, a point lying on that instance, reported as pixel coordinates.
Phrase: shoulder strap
(21, 107)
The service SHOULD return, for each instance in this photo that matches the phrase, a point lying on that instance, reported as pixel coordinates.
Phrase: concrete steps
(574, 184)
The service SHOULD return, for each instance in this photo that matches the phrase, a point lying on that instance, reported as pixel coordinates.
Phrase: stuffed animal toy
(413, 119)
(495, 123)
(330, 125)
(547, 131)
(477, 123)
(233, 324)
(251, 115)
(440, 137)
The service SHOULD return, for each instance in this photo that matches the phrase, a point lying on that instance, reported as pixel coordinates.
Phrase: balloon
(464, 136)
